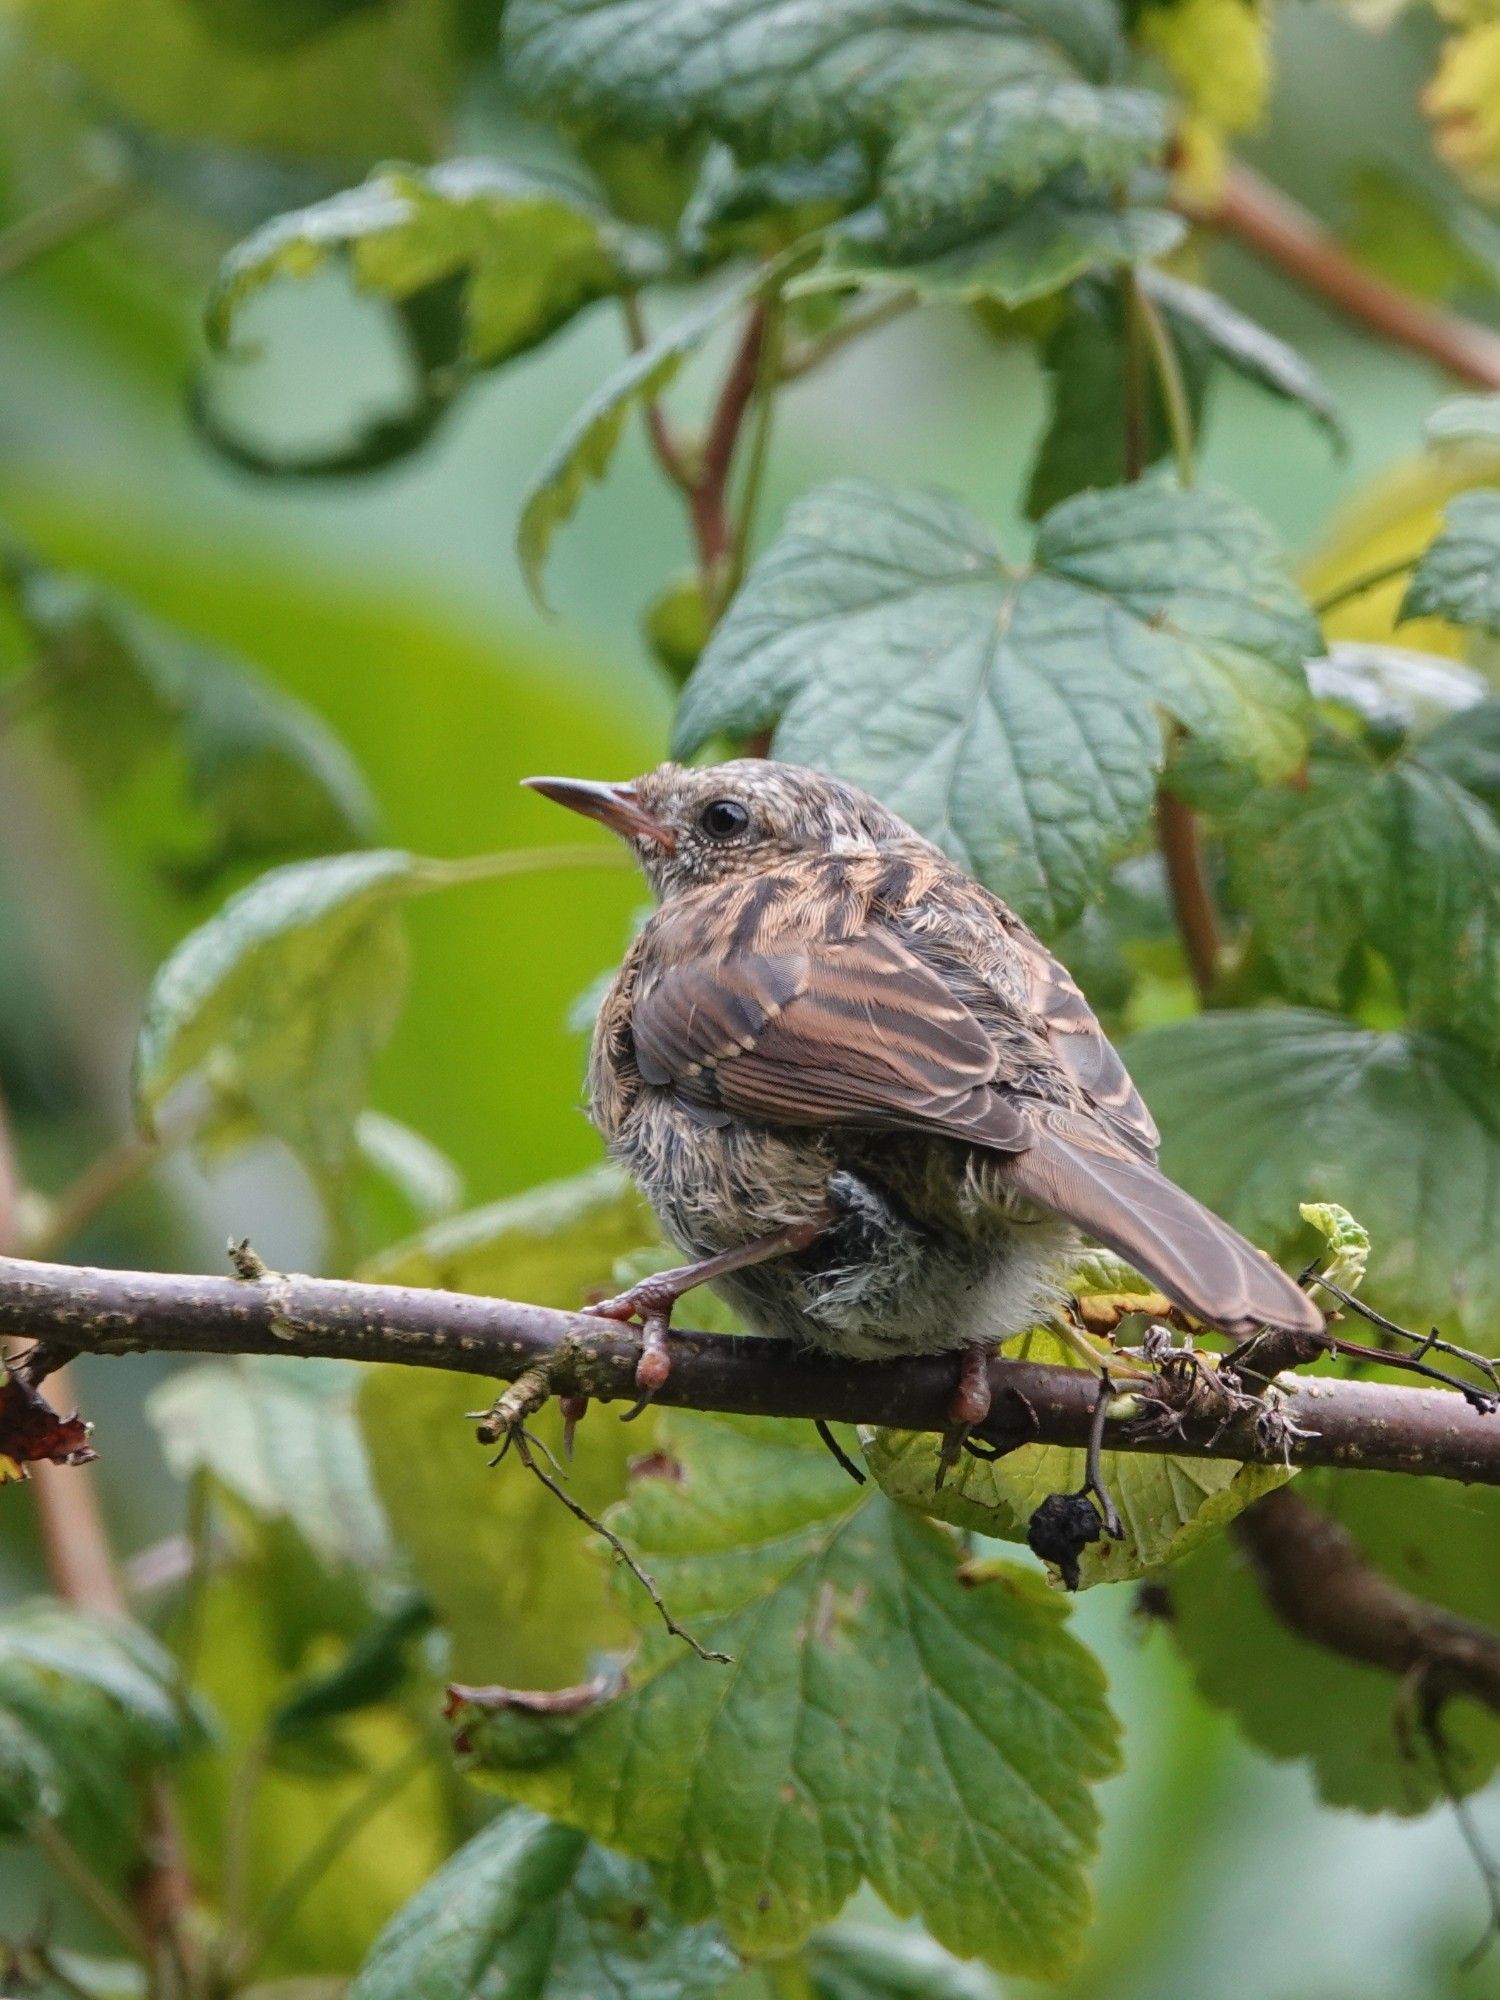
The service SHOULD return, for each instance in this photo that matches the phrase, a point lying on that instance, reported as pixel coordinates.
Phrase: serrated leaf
(1399, 858)
(874, 1705)
(529, 1910)
(1244, 345)
(508, 1571)
(1294, 1699)
(1012, 713)
(858, 1962)
(1167, 1504)
(1049, 240)
(584, 451)
(1458, 578)
(1466, 748)
(1261, 1111)
(281, 1436)
(87, 1706)
(970, 107)
(282, 999)
(528, 252)
(262, 776)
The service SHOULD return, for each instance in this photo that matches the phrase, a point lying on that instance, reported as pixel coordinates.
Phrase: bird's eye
(723, 819)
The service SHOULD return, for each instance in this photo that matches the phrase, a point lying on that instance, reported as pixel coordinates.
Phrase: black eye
(723, 819)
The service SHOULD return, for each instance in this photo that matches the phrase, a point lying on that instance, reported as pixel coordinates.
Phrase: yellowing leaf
(1219, 53)
(1463, 102)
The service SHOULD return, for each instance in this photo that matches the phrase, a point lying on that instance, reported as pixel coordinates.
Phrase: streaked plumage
(824, 1010)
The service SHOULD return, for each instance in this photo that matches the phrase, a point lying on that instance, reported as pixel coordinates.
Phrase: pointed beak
(616, 806)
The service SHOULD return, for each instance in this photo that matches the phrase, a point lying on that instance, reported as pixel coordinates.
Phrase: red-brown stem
(1187, 882)
(76, 1550)
(711, 524)
(1319, 1583)
(668, 452)
(1285, 234)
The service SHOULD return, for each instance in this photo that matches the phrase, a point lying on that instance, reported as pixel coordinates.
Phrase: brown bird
(857, 1091)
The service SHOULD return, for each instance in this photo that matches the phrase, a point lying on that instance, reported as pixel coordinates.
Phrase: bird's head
(689, 826)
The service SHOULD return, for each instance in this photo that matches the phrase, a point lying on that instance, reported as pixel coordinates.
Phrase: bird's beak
(616, 806)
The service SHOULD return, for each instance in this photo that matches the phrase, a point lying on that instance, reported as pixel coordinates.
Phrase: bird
(862, 1098)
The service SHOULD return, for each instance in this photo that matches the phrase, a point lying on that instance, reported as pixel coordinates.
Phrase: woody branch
(1333, 1422)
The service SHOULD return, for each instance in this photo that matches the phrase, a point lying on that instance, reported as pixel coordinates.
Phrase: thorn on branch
(248, 1264)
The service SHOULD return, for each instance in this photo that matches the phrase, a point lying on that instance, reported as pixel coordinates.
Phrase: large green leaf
(1013, 713)
(1401, 858)
(281, 1436)
(507, 1569)
(875, 1710)
(528, 252)
(1459, 576)
(971, 104)
(282, 999)
(1261, 1111)
(263, 777)
(1167, 1504)
(87, 1706)
(530, 1910)
(1353, 1724)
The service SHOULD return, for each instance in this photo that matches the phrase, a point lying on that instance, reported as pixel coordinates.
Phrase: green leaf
(273, 26)
(425, 1178)
(1087, 358)
(1348, 1240)
(371, 1671)
(1465, 420)
(281, 1436)
(1466, 748)
(859, 1962)
(88, 1705)
(1014, 714)
(262, 777)
(1262, 1111)
(1049, 240)
(1459, 576)
(1350, 1723)
(1402, 859)
(508, 1570)
(529, 1910)
(970, 107)
(769, 204)
(526, 252)
(1167, 1504)
(583, 453)
(1244, 345)
(874, 1706)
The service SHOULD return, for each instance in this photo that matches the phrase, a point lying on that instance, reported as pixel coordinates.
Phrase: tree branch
(1335, 1422)
(1318, 1582)
(711, 524)
(1285, 234)
(1187, 882)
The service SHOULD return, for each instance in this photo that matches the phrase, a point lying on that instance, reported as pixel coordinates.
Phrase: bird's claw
(650, 1302)
(968, 1409)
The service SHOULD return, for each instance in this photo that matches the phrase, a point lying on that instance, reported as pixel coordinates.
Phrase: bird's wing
(1083, 1048)
(849, 1031)
(1076, 1168)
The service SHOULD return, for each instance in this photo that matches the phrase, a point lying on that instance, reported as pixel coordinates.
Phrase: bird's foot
(652, 1303)
(968, 1409)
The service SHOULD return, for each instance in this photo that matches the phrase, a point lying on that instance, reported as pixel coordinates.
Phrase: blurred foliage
(251, 627)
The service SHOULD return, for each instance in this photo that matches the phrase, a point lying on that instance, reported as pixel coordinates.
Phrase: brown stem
(1285, 234)
(1368, 1425)
(1318, 1582)
(1187, 882)
(663, 439)
(710, 511)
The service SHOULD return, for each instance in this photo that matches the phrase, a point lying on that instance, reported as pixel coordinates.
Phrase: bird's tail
(1130, 1206)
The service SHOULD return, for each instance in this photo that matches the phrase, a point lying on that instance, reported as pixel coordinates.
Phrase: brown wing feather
(1083, 1048)
(1127, 1204)
(856, 1031)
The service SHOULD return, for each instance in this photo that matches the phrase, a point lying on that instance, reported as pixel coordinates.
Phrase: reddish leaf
(31, 1430)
